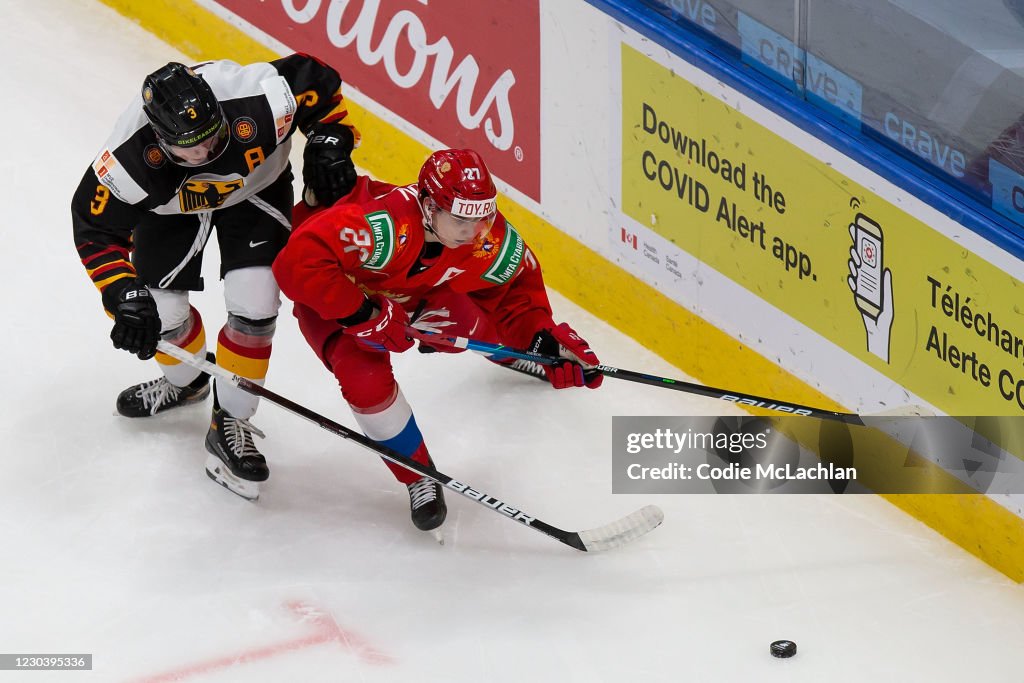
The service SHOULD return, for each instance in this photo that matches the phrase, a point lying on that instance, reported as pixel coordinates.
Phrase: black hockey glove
(327, 169)
(136, 320)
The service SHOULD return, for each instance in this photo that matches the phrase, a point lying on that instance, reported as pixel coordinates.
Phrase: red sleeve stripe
(103, 284)
(106, 269)
(111, 273)
(338, 112)
(91, 250)
(94, 262)
(335, 116)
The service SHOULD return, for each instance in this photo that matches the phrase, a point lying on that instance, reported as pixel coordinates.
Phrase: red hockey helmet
(458, 196)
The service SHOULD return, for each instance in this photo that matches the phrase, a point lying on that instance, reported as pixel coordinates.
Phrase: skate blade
(219, 472)
(438, 535)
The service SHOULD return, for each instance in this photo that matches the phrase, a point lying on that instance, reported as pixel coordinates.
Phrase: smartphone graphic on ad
(868, 242)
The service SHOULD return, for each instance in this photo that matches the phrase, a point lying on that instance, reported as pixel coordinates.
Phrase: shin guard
(243, 348)
(393, 425)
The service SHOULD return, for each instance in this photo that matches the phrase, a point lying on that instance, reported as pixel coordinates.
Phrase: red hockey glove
(384, 330)
(578, 368)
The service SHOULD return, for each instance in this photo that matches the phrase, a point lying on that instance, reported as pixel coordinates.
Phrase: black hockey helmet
(187, 118)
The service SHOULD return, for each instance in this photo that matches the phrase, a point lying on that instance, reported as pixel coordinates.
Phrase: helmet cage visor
(456, 230)
(198, 147)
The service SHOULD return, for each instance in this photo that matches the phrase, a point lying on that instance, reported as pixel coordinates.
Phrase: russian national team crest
(244, 129)
(484, 247)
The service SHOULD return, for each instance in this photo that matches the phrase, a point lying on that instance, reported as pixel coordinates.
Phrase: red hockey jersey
(373, 241)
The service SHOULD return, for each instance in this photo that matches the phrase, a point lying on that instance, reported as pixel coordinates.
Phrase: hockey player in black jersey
(202, 148)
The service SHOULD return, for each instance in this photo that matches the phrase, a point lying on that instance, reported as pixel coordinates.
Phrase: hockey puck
(783, 649)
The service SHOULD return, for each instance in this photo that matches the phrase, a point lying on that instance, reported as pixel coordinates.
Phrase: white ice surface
(114, 542)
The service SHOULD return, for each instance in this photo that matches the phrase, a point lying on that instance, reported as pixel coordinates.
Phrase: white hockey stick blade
(623, 531)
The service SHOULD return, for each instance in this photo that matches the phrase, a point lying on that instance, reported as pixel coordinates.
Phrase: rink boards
(687, 215)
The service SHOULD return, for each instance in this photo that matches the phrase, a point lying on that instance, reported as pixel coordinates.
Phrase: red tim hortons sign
(466, 73)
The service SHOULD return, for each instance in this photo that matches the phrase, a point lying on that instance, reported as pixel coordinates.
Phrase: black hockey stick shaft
(570, 538)
(737, 397)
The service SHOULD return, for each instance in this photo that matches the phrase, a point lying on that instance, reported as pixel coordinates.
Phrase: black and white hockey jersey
(264, 104)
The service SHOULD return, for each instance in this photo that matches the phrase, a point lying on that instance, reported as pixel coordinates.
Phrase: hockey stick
(613, 535)
(738, 397)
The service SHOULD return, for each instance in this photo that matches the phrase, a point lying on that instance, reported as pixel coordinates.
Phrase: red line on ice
(326, 631)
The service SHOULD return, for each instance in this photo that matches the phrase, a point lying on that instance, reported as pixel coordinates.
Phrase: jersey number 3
(99, 202)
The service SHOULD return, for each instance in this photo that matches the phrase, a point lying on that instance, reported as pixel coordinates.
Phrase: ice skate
(427, 506)
(234, 461)
(159, 395)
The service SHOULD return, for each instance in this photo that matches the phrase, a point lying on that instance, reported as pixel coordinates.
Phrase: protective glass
(454, 231)
(203, 152)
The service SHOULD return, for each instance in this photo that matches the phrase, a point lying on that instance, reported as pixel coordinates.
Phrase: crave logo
(467, 74)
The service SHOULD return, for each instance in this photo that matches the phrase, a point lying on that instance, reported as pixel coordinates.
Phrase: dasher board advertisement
(701, 180)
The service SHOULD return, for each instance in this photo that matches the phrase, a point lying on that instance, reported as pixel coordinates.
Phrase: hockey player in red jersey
(438, 249)
(202, 148)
